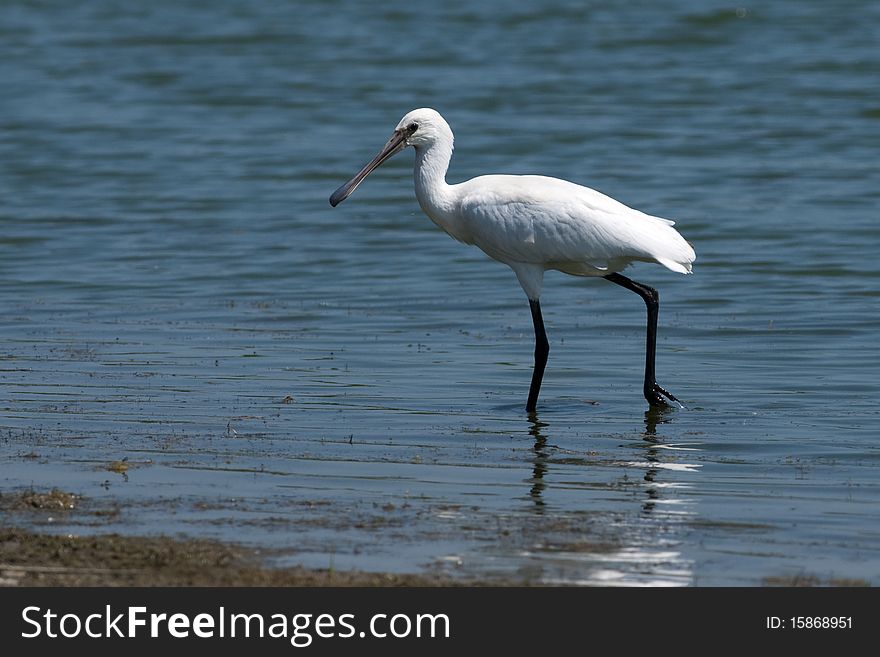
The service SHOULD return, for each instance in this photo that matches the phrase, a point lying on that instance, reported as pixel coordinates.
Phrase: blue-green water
(347, 385)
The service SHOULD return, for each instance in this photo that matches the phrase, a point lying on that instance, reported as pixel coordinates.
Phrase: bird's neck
(433, 193)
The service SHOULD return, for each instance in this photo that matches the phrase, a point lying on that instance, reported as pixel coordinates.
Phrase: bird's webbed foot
(655, 395)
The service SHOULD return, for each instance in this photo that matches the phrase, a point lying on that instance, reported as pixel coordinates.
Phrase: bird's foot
(655, 396)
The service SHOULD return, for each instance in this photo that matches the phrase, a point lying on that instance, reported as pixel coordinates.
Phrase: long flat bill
(394, 145)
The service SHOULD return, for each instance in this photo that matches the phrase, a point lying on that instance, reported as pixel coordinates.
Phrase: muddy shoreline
(34, 558)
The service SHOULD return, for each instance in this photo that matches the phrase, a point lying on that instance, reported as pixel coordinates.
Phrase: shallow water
(346, 386)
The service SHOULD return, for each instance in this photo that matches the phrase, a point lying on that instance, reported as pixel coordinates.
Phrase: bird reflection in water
(539, 463)
(614, 511)
(653, 416)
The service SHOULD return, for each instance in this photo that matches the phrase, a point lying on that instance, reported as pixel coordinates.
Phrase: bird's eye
(413, 127)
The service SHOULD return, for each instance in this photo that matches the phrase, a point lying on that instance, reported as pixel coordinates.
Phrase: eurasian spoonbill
(536, 223)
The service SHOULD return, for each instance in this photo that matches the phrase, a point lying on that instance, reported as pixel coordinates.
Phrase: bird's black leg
(653, 392)
(542, 350)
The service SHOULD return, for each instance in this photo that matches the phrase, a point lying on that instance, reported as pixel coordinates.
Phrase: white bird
(536, 223)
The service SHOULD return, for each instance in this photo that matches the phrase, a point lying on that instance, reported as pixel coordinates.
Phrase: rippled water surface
(346, 386)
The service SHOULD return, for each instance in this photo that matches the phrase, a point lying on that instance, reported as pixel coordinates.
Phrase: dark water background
(346, 385)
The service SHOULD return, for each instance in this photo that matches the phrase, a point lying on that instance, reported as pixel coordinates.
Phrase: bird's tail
(680, 267)
(674, 252)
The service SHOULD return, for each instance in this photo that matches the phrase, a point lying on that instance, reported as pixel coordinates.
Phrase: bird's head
(423, 127)
(420, 128)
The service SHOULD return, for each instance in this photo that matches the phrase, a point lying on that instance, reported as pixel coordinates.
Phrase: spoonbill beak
(396, 144)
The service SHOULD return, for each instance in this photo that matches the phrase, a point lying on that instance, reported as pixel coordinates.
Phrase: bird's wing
(532, 219)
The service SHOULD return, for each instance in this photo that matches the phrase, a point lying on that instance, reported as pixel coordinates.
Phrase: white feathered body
(564, 226)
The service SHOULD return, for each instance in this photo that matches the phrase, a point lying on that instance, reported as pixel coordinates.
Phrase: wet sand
(29, 558)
